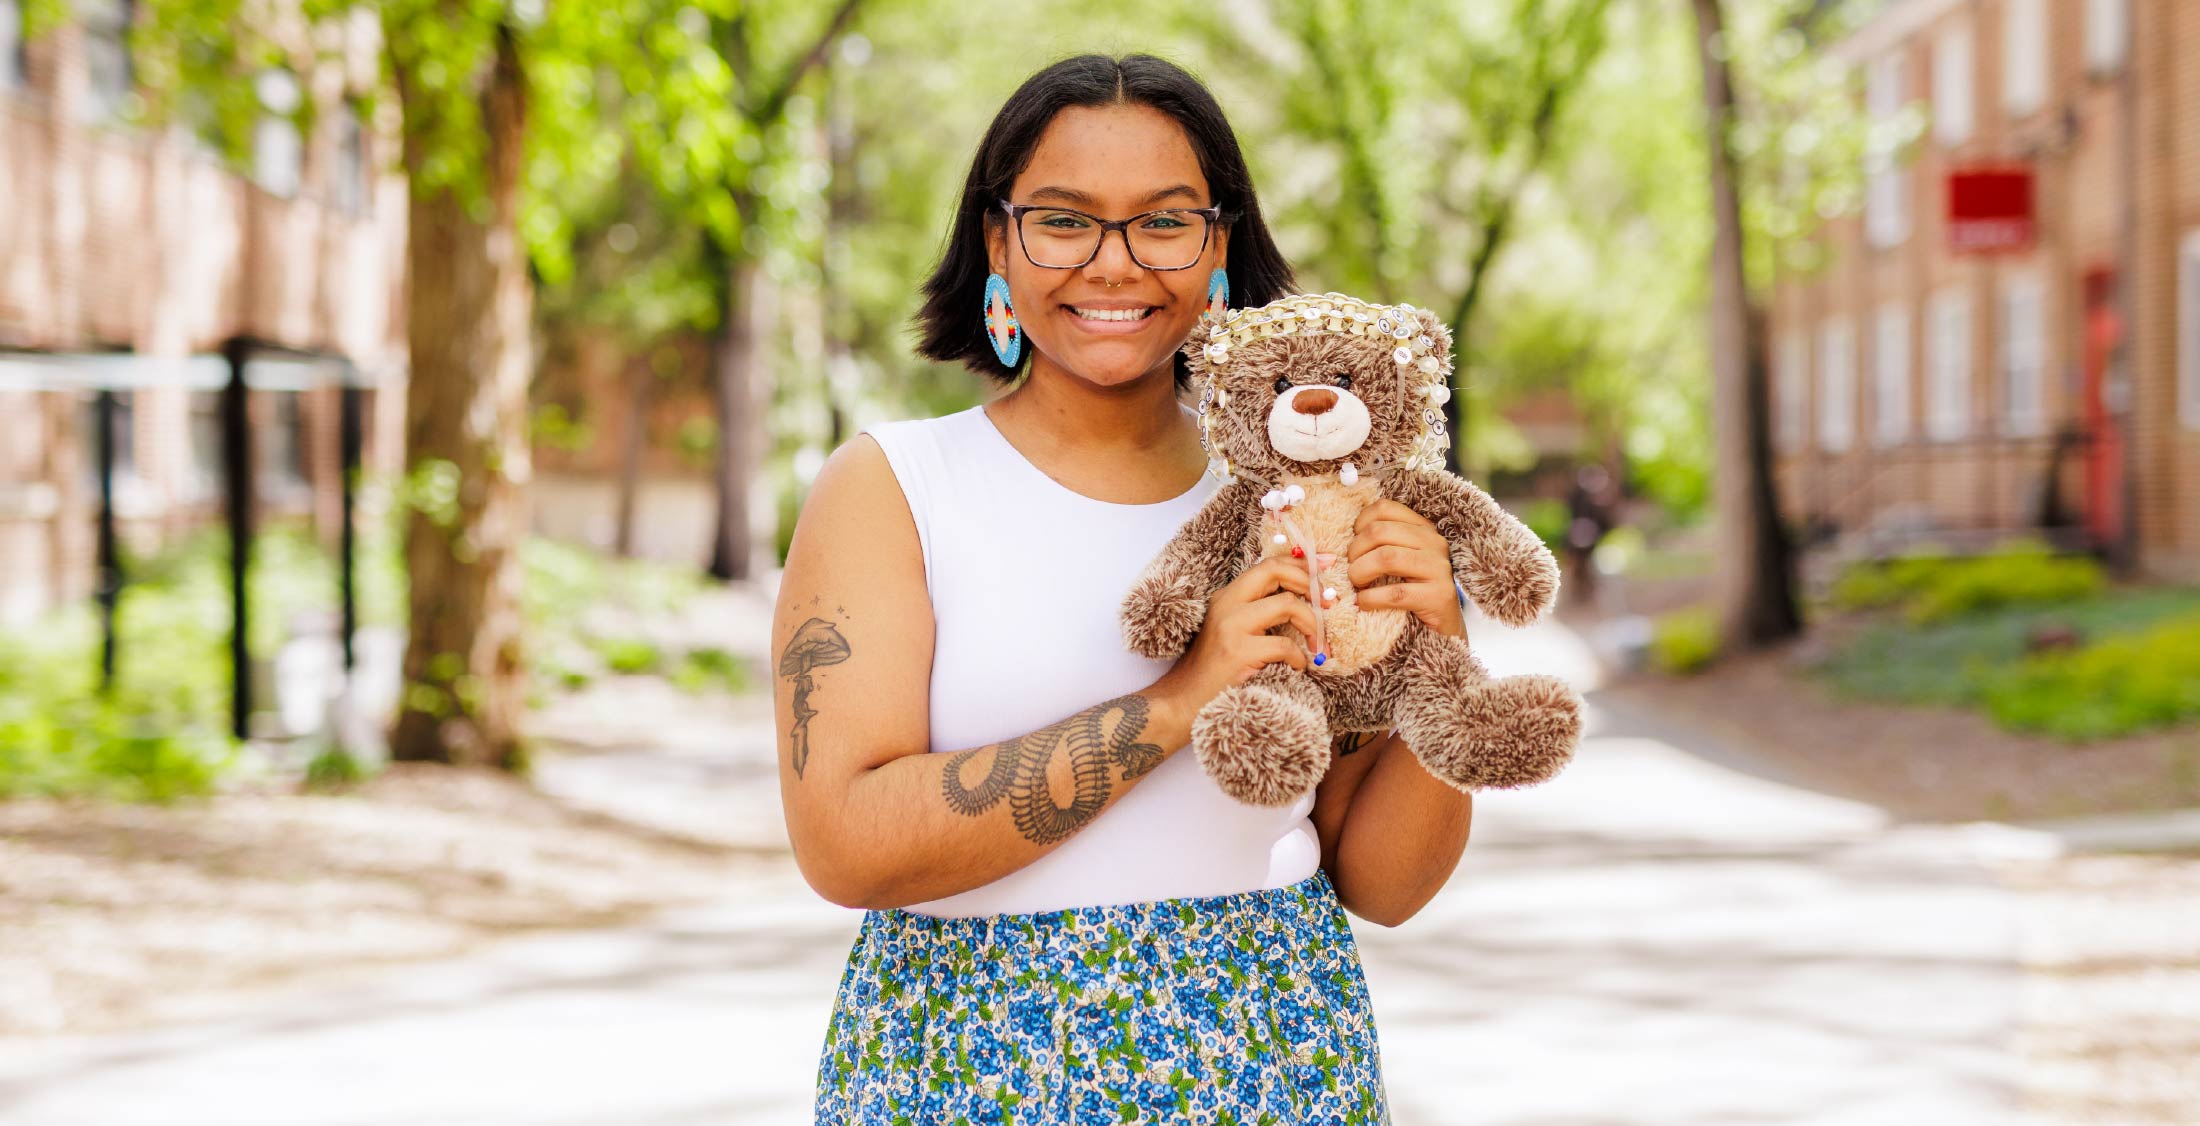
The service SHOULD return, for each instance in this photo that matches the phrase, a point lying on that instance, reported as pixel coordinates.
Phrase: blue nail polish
(1320, 657)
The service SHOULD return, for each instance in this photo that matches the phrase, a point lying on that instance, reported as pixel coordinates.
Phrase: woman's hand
(1233, 641)
(1391, 539)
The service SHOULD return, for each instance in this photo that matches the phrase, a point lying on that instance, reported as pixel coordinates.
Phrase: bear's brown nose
(1314, 400)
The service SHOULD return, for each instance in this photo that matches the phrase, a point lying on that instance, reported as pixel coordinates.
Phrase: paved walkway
(1652, 938)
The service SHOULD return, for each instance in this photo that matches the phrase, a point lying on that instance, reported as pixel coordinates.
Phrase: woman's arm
(875, 818)
(1391, 832)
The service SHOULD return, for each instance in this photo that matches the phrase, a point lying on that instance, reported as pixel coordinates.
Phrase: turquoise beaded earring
(1218, 293)
(1000, 321)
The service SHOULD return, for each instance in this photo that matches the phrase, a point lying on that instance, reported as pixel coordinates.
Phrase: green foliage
(163, 731)
(697, 441)
(1684, 641)
(1602, 294)
(160, 734)
(1983, 659)
(2115, 686)
(1548, 518)
(333, 768)
(1434, 118)
(1934, 588)
(571, 648)
(711, 667)
(628, 656)
(558, 428)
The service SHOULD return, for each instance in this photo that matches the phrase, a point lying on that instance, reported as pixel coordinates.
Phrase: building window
(1791, 409)
(1886, 190)
(2107, 34)
(278, 154)
(14, 64)
(351, 184)
(109, 82)
(1836, 386)
(2023, 354)
(1953, 87)
(1891, 374)
(2023, 55)
(282, 444)
(1948, 367)
(2188, 330)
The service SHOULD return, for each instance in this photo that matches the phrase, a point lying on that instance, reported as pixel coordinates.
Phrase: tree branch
(776, 101)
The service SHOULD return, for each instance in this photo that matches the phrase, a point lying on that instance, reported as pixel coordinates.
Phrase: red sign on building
(1990, 210)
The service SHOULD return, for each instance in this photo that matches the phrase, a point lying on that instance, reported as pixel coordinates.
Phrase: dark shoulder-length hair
(952, 320)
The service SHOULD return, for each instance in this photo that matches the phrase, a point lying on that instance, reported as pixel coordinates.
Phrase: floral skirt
(1225, 1010)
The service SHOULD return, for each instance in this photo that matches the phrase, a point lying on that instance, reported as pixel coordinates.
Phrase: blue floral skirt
(1230, 1009)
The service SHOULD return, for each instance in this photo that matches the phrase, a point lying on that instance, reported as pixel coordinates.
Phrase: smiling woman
(1068, 921)
(1138, 139)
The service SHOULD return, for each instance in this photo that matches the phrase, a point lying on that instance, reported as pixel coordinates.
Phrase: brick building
(128, 257)
(2007, 336)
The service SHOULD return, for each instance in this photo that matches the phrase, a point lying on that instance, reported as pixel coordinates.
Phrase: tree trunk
(1754, 572)
(468, 322)
(734, 356)
(642, 384)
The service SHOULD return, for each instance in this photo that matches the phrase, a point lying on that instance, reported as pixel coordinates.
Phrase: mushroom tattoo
(815, 644)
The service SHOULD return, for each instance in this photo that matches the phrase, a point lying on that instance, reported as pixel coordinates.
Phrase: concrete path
(1652, 938)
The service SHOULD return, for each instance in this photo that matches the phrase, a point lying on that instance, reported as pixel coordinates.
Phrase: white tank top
(1027, 577)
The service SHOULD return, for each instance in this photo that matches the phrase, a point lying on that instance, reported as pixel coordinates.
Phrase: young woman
(1068, 922)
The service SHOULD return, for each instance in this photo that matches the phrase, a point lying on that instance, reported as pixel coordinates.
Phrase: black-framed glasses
(1064, 238)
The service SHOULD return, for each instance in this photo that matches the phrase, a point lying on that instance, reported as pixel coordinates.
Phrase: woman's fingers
(1267, 577)
(1416, 537)
(1387, 511)
(1267, 613)
(1413, 564)
(1279, 650)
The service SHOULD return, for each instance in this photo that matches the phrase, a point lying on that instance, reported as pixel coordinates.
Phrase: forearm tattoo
(1094, 742)
(814, 644)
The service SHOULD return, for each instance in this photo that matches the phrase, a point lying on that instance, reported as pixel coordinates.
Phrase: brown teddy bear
(1315, 406)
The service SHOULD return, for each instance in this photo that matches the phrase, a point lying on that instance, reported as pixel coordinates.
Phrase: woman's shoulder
(888, 474)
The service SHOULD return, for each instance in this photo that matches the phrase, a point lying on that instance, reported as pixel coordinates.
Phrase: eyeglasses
(1061, 238)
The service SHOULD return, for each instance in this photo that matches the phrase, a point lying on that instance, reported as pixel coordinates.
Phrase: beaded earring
(1218, 293)
(1000, 321)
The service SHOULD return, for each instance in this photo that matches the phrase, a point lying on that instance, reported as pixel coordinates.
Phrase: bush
(162, 731)
(628, 656)
(334, 768)
(709, 667)
(1934, 588)
(2120, 685)
(1684, 641)
(159, 734)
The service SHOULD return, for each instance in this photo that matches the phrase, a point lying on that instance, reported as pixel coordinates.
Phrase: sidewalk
(1651, 938)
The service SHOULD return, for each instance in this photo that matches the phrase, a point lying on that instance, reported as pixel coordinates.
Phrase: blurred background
(405, 408)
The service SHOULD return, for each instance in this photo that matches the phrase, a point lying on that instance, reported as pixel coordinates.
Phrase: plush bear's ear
(1440, 332)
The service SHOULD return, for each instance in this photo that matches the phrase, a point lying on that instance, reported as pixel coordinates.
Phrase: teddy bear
(1313, 407)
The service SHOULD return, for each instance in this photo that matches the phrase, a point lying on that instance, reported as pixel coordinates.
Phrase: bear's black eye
(1283, 384)
(1344, 381)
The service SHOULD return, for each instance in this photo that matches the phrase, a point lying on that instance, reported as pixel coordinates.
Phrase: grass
(1982, 659)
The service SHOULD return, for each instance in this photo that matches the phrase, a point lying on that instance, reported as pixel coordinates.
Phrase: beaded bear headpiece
(1421, 348)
